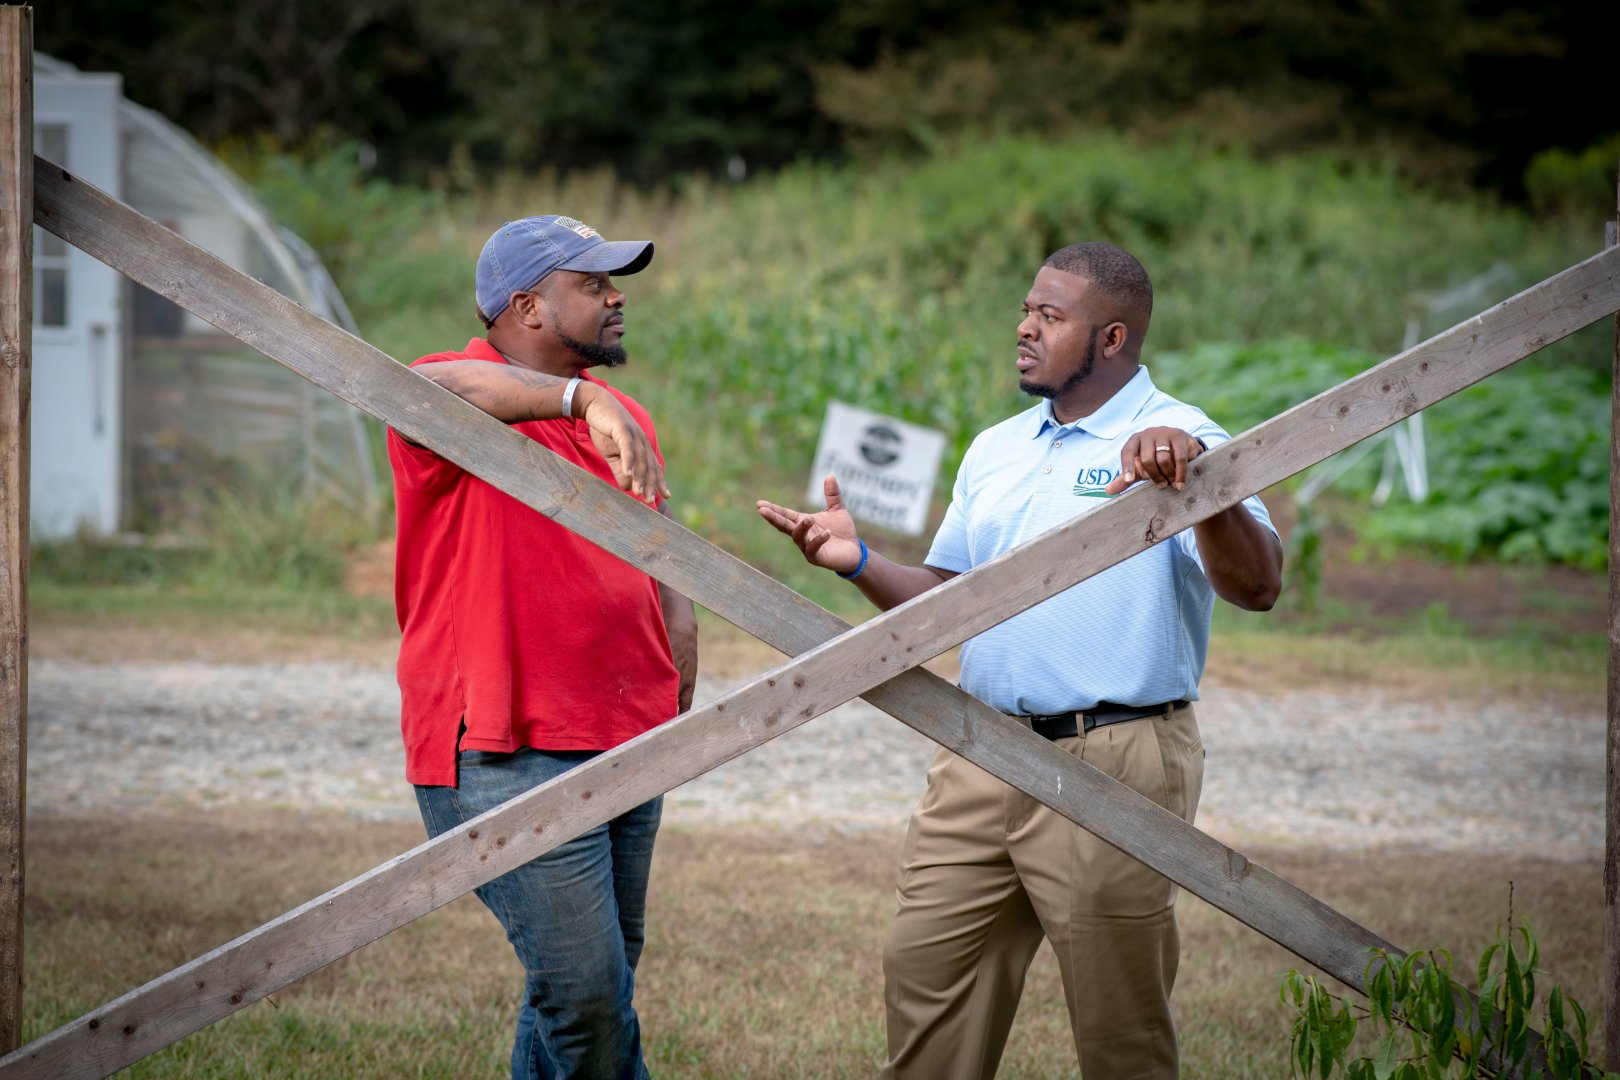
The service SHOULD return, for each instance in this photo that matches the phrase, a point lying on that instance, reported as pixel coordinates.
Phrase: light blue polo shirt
(1135, 634)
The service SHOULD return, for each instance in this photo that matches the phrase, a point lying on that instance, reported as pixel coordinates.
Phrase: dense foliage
(1458, 91)
(1518, 465)
(897, 287)
(1429, 1027)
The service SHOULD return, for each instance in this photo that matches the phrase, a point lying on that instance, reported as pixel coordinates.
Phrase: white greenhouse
(140, 410)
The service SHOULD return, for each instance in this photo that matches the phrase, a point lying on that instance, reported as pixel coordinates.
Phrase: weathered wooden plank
(429, 876)
(16, 317)
(1611, 835)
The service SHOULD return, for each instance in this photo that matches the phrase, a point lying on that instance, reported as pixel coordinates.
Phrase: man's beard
(1075, 379)
(595, 354)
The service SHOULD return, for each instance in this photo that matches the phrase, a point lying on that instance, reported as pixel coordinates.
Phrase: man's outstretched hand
(827, 538)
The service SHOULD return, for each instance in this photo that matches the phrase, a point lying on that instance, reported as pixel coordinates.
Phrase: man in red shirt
(527, 650)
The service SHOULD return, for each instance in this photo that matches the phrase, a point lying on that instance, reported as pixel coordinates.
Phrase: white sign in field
(885, 467)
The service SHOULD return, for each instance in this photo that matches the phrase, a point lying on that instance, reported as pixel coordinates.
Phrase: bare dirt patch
(95, 640)
(1493, 600)
(1384, 591)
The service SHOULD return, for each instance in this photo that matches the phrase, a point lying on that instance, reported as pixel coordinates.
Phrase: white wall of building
(77, 406)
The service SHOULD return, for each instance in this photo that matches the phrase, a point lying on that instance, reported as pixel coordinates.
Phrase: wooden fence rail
(838, 663)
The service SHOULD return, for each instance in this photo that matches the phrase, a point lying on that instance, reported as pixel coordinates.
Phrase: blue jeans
(575, 916)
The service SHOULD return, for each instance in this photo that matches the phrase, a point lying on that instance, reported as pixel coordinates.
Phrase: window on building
(51, 251)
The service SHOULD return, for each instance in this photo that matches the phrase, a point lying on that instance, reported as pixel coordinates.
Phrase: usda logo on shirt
(1093, 483)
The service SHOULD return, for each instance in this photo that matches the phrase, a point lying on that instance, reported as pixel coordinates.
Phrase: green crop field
(896, 286)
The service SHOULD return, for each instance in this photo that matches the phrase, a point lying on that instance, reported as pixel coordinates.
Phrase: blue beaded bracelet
(855, 573)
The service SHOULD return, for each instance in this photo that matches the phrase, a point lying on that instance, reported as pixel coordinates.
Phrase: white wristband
(568, 397)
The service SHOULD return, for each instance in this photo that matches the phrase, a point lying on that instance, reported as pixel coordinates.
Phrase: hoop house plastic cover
(202, 411)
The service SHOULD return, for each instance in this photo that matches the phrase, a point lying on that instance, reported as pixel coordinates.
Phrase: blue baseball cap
(521, 253)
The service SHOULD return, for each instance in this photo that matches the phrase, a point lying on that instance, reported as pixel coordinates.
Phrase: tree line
(1455, 92)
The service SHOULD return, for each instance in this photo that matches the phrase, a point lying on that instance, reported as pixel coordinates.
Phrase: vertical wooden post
(16, 331)
(1611, 859)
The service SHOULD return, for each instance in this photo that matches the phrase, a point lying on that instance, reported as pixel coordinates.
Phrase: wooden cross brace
(835, 663)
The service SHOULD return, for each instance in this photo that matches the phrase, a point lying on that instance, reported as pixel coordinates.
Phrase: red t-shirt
(514, 626)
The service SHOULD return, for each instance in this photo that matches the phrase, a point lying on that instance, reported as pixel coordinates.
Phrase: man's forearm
(509, 394)
(889, 584)
(1242, 559)
(680, 623)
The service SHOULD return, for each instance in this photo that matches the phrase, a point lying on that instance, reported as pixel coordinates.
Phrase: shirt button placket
(1043, 487)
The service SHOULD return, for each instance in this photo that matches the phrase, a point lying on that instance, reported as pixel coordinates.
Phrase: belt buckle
(1057, 725)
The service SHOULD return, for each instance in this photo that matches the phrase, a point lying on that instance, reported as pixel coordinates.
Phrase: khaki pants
(987, 872)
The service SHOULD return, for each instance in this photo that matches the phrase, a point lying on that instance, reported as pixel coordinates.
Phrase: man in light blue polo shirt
(1107, 670)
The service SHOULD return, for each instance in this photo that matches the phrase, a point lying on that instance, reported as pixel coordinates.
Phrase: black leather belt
(1068, 725)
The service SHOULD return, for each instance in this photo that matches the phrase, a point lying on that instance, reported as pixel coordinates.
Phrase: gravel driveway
(1329, 770)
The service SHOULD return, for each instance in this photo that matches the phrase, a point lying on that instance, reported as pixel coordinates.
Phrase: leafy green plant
(1519, 467)
(1424, 1026)
(1518, 464)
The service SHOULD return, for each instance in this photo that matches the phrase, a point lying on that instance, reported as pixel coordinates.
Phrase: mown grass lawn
(762, 958)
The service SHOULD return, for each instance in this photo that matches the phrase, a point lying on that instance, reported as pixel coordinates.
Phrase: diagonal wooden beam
(434, 873)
